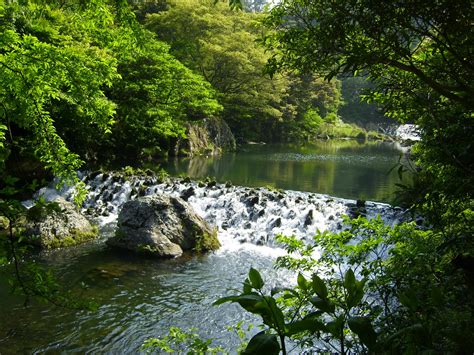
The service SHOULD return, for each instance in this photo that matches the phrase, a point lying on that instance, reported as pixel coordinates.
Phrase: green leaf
(247, 287)
(349, 280)
(362, 326)
(319, 287)
(224, 300)
(255, 279)
(336, 327)
(263, 343)
(278, 319)
(354, 288)
(309, 324)
(302, 282)
(409, 299)
(323, 304)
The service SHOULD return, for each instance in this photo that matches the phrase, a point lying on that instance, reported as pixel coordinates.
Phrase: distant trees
(222, 45)
(416, 54)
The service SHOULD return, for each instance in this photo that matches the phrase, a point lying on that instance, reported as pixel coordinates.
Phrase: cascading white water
(241, 214)
(140, 297)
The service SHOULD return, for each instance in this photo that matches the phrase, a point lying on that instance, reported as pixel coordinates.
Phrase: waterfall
(241, 214)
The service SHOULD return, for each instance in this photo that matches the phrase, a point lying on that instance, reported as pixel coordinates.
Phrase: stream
(140, 297)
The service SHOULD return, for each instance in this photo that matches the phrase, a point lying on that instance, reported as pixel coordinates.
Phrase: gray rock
(59, 224)
(162, 226)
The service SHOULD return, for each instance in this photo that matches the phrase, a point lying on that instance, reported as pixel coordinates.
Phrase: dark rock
(93, 175)
(252, 201)
(275, 223)
(309, 218)
(186, 194)
(162, 226)
(360, 203)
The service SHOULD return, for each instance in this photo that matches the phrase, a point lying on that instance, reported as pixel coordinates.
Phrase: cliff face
(210, 136)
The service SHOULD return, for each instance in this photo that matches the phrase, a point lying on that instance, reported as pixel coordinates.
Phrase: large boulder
(209, 136)
(163, 226)
(58, 224)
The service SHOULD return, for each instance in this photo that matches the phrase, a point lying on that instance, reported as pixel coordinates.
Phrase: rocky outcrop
(210, 136)
(58, 224)
(163, 226)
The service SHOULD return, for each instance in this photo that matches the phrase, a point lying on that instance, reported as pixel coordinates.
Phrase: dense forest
(93, 83)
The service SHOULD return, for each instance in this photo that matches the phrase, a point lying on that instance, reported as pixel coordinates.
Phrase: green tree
(417, 56)
(220, 44)
(39, 69)
(77, 77)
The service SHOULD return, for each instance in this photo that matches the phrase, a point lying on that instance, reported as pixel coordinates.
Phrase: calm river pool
(348, 169)
(140, 298)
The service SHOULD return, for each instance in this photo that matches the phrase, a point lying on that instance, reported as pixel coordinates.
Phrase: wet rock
(107, 196)
(142, 190)
(360, 203)
(291, 214)
(57, 225)
(162, 226)
(308, 219)
(252, 201)
(211, 184)
(275, 223)
(186, 194)
(93, 175)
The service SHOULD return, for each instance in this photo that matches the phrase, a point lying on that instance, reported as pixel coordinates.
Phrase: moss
(76, 237)
(207, 242)
(147, 249)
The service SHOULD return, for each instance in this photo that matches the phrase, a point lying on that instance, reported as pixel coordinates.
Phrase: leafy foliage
(222, 45)
(179, 341)
(308, 310)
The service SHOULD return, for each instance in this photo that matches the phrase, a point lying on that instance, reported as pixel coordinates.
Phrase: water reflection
(347, 169)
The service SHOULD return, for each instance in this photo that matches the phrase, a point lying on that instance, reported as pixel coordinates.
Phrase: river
(348, 169)
(140, 298)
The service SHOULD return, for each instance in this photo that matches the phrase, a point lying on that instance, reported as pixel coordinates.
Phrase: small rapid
(242, 215)
(140, 297)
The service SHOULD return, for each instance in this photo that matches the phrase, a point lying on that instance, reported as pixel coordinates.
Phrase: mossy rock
(57, 225)
(162, 226)
(207, 242)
